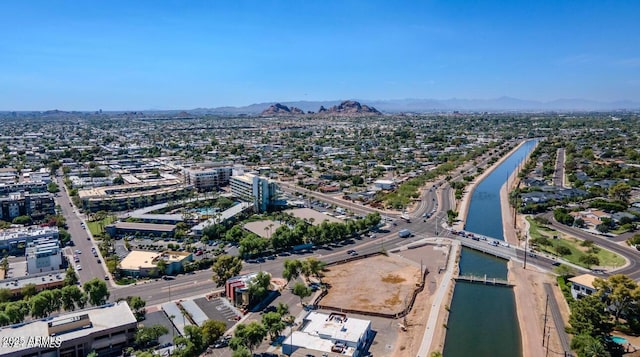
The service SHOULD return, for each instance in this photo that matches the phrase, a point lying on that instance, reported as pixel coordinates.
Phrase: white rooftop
(336, 326)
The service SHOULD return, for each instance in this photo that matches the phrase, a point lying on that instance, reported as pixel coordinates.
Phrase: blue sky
(126, 55)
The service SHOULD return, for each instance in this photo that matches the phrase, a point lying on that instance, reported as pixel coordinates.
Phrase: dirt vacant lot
(376, 284)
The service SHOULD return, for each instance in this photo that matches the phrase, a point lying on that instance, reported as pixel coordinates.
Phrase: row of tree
(295, 231)
(42, 304)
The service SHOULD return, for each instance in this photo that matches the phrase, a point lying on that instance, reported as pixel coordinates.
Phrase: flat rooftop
(137, 259)
(145, 226)
(102, 318)
(263, 228)
(308, 214)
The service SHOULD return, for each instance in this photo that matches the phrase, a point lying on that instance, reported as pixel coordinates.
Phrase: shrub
(562, 250)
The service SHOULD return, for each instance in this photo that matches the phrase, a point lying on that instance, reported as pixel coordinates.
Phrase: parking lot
(218, 309)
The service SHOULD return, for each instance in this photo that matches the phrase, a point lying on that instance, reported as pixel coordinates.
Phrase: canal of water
(482, 319)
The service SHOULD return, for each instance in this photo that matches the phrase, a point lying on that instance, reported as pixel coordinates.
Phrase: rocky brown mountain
(279, 109)
(349, 107)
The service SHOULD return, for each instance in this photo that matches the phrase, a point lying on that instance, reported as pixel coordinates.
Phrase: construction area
(378, 284)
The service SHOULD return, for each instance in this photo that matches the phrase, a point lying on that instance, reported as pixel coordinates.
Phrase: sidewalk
(437, 307)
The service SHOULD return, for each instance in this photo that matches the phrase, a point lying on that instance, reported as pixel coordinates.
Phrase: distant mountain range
(435, 105)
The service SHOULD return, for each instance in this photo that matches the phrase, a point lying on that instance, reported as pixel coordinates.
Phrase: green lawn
(95, 227)
(606, 257)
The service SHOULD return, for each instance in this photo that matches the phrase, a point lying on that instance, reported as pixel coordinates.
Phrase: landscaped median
(584, 253)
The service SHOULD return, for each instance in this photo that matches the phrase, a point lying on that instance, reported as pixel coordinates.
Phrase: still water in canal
(483, 320)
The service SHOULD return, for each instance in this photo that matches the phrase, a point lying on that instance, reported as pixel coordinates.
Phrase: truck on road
(404, 233)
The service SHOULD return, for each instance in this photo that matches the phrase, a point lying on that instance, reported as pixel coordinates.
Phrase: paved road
(558, 174)
(557, 319)
(90, 267)
(632, 270)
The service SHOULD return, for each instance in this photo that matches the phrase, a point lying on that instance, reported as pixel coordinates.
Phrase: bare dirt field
(375, 284)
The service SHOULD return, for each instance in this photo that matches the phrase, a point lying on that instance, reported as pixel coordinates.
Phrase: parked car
(78, 267)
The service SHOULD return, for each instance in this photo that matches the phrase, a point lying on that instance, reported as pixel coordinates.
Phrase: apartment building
(260, 191)
(43, 254)
(26, 204)
(208, 178)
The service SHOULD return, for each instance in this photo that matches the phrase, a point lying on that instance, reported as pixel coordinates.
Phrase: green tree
(620, 291)
(29, 290)
(5, 295)
(70, 277)
(194, 334)
(259, 286)
(248, 335)
(588, 346)
(52, 187)
(292, 268)
(212, 330)
(300, 290)
(241, 351)
(137, 304)
(589, 316)
(565, 271)
(39, 306)
(225, 267)
(161, 265)
(16, 311)
(72, 295)
(272, 321)
(620, 192)
(312, 267)
(148, 336)
(97, 291)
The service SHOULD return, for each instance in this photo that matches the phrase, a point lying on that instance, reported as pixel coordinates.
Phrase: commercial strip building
(142, 263)
(107, 330)
(26, 204)
(236, 289)
(260, 191)
(11, 238)
(42, 281)
(120, 229)
(329, 333)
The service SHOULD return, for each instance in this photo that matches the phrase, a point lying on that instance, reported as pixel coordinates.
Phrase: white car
(78, 267)
(78, 251)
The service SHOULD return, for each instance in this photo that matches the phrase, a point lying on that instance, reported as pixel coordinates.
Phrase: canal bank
(463, 205)
(529, 294)
(481, 314)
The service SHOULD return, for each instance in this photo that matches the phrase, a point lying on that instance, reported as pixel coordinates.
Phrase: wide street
(81, 237)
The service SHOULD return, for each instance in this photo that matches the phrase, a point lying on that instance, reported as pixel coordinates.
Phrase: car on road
(78, 251)
(106, 277)
(99, 261)
(78, 267)
(350, 251)
(88, 238)
(221, 344)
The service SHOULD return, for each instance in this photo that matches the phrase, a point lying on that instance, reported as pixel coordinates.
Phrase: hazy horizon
(173, 55)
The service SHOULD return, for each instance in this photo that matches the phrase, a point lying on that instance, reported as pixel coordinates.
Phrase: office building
(107, 330)
(43, 254)
(258, 190)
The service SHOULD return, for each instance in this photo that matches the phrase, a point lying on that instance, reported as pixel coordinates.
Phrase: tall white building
(43, 255)
(260, 191)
